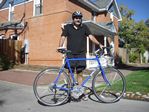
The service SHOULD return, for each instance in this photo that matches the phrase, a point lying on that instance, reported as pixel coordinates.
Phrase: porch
(105, 32)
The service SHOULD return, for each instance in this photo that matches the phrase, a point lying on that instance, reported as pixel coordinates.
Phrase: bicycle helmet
(77, 14)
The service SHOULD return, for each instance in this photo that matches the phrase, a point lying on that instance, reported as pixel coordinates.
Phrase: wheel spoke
(108, 92)
(49, 93)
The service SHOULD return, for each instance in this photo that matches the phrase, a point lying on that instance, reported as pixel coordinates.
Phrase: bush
(5, 62)
(133, 57)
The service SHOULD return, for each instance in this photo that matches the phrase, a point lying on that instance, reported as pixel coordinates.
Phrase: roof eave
(97, 29)
(93, 7)
(11, 26)
(118, 12)
(98, 10)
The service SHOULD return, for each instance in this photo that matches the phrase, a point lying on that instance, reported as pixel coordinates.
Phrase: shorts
(77, 65)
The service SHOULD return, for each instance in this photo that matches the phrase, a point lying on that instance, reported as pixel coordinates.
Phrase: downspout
(11, 10)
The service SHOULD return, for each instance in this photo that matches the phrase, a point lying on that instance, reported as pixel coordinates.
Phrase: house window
(38, 7)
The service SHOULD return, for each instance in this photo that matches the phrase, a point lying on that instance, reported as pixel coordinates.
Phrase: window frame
(40, 6)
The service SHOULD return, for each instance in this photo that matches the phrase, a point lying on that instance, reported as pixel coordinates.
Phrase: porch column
(87, 54)
(105, 44)
(111, 43)
(112, 51)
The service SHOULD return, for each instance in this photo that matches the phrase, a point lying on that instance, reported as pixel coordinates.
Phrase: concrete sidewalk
(27, 77)
(18, 76)
(25, 74)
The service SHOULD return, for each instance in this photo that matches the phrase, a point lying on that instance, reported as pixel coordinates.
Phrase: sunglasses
(77, 17)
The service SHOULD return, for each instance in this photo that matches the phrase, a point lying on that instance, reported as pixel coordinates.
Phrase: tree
(136, 35)
(141, 35)
(147, 22)
(125, 12)
(126, 31)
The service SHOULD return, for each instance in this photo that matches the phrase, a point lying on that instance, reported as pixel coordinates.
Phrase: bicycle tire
(109, 93)
(45, 91)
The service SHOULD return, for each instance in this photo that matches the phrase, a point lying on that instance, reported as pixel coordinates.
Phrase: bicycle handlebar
(101, 51)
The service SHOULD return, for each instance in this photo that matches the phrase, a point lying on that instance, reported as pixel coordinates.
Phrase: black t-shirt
(76, 38)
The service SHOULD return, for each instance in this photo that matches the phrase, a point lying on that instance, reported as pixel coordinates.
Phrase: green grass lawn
(138, 81)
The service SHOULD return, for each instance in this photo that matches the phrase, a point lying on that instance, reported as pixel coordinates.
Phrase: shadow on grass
(133, 67)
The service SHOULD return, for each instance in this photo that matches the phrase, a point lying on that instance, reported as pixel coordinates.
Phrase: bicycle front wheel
(111, 87)
(51, 87)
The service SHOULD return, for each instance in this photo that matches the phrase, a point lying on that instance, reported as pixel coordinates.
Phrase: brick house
(39, 22)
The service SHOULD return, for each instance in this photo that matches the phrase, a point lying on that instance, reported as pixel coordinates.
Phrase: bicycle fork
(103, 72)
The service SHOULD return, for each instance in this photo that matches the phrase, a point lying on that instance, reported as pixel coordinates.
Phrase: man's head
(77, 18)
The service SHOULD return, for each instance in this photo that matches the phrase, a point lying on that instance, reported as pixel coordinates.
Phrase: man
(76, 34)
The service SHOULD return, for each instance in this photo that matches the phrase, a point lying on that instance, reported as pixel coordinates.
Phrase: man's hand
(61, 49)
(101, 46)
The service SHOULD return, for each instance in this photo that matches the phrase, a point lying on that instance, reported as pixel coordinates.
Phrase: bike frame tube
(67, 61)
(61, 70)
(102, 71)
(81, 59)
(55, 81)
(70, 70)
(84, 82)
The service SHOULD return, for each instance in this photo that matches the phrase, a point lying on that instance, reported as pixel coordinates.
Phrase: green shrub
(133, 57)
(5, 62)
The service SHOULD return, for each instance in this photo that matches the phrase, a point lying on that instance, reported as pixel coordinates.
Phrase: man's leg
(80, 78)
(81, 65)
(70, 74)
(79, 71)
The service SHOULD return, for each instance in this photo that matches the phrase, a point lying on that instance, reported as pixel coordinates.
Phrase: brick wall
(43, 32)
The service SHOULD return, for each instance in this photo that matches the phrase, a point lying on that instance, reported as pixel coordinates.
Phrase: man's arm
(62, 40)
(94, 40)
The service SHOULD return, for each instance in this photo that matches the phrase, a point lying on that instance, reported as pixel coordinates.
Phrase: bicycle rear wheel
(109, 92)
(49, 93)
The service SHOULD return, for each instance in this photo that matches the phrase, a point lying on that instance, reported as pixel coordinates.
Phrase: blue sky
(141, 8)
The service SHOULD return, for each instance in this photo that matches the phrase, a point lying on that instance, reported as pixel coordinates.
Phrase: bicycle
(54, 87)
